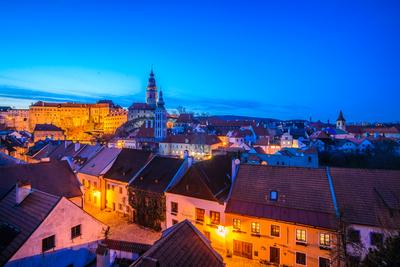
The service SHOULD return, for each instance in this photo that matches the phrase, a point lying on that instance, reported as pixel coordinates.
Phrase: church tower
(151, 90)
(160, 129)
(341, 122)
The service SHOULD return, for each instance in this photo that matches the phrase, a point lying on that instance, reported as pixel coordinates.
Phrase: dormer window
(273, 195)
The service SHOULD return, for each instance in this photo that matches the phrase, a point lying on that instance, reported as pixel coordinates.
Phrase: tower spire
(160, 102)
(151, 91)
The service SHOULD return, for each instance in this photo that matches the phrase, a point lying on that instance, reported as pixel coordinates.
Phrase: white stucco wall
(187, 210)
(59, 223)
(365, 238)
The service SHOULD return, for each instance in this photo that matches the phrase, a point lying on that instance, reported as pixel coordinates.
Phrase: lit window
(325, 240)
(301, 258)
(200, 215)
(275, 230)
(236, 224)
(214, 217)
(76, 231)
(301, 235)
(255, 228)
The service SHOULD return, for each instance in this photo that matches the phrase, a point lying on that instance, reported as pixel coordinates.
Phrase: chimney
(235, 167)
(77, 145)
(22, 190)
(146, 123)
(102, 256)
(45, 159)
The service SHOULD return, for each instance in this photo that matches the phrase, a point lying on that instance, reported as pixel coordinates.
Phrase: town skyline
(262, 60)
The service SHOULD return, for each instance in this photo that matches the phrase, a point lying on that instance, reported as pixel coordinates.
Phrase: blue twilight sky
(280, 59)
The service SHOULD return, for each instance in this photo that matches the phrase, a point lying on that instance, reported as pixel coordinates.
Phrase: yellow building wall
(117, 196)
(92, 191)
(75, 119)
(286, 242)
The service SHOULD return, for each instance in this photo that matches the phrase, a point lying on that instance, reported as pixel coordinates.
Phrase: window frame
(301, 240)
(45, 246)
(174, 207)
(203, 213)
(319, 260)
(329, 242)
(213, 219)
(371, 234)
(279, 230)
(350, 237)
(275, 194)
(255, 228)
(236, 224)
(74, 231)
(305, 258)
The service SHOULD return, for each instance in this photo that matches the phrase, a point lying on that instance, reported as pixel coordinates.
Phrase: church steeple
(151, 91)
(341, 122)
(160, 102)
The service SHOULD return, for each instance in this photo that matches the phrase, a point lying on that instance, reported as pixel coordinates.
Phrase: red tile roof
(209, 180)
(47, 128)
(25, 217)
(185, 118)
(126, 246)
(193, 139)
(303, 195)
(261, 131)
(145, 132)
(383, 130)
(68, 104)
(181, 245)
(141, 106)
(55, 177)
(127, 164)
(368, 197)
(157, 175)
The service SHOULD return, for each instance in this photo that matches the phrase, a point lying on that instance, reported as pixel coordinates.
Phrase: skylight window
(273, 195)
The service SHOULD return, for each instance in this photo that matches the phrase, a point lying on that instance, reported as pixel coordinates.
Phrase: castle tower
(160, 129)
(341, 122)
(151, 90)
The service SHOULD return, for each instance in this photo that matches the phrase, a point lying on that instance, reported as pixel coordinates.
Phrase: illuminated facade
(76, 118)
(114, 120)
(271, 216)
(17, 119)
(199, 146)
(201, 197)
(278, 242)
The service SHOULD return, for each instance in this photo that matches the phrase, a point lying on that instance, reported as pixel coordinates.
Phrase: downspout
(328, 174)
